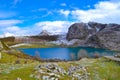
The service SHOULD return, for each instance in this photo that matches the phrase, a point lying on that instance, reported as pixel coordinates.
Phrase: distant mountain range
(89, 34)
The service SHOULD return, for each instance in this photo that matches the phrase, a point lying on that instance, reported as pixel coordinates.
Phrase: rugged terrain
(94, 34)
(89, 34)
(14, 68)
(14, 65)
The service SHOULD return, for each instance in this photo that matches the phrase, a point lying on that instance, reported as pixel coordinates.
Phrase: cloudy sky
(29, 17)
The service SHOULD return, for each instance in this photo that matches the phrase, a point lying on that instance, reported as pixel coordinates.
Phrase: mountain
(44, 33)
(94, 34)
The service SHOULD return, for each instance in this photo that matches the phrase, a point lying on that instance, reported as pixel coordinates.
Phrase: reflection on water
(74, 53)
(72, 56)
(37, 54)
(82, 53)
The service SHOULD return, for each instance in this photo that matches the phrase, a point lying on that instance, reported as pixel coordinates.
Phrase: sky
(30, 17)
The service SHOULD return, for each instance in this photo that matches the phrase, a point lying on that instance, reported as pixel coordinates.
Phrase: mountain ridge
(95, 34)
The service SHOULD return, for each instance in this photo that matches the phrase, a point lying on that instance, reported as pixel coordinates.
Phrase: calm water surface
(65, 53)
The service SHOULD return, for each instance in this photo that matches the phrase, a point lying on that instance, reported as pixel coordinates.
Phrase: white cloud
(16, 31)
(104, 12)
(107, 6)
(6, 23)
(64, 12)
(63, 4)
(8, 28)
(11, 31)
(54, 26)
(7, 34)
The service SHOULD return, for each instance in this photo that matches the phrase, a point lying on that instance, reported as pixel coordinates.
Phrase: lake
(73, 53)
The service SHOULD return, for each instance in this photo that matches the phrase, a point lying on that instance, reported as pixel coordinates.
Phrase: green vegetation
(102, 69)
(99, 69)
(37, 45)
(11, 72)
(4, 46)
(15, 64)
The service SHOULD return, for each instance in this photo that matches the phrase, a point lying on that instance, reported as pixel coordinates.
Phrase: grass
(23, 72)
(38, 45)
(99, 69)
(10, 70)
(7, 58)
(102, 69)
(13, 56)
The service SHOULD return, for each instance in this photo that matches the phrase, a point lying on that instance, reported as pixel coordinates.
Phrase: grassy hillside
(98, 69)
(15, 64)
(14, 57)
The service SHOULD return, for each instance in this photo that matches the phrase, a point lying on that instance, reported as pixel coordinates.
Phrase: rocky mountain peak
(44, 33)
(96, 34)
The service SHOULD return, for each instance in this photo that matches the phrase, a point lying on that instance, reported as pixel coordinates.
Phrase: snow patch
(97, 29)
(88, 26)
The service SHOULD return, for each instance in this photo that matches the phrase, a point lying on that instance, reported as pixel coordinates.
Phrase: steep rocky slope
(96, 35)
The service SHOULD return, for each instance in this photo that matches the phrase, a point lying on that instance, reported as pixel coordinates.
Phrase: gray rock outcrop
(96, 35)
(52, 71)
(77, 31)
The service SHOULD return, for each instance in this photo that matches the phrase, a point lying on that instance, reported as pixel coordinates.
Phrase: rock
(107, 38)
(44, 33)
(117, 55)
(96, 26)
(18, 78)
(93, 41)
(96, 35)
(49, 72)
(110, 37)
(83, 30)
(54, 72)
(78, 72)
(77, 31)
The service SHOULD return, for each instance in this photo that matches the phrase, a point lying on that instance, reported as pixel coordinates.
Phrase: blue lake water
(65, 53)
